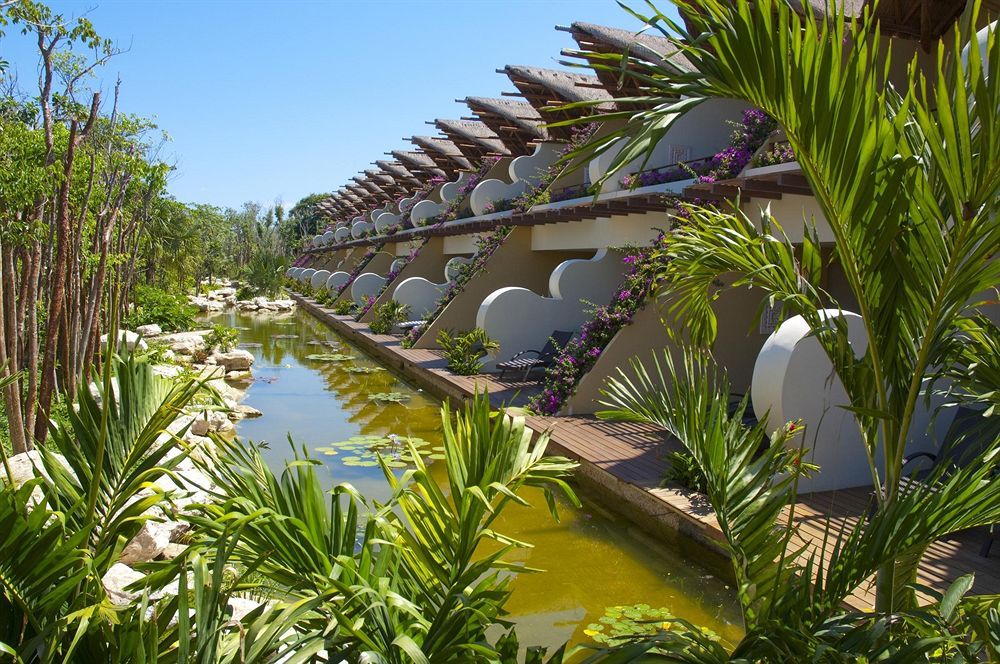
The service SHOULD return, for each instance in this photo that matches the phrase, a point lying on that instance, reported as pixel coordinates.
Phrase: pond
(594, 558)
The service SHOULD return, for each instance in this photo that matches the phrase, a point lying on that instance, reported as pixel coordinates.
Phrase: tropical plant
(387, 316)
(154, 305)
(465, 350)
(344, 307)
(683, 469)
(222, 337)
(421, 578)
(64, 531)
(875, 161)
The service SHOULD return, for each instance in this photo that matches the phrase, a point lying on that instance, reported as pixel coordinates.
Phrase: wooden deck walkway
(628, 461)
(635, 454)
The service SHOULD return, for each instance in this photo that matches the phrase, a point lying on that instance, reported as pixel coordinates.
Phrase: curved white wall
(449, 190)
(519, 318)
(365, 285)
(319, 278)
(422, 295)
(693, 136)
(425, 209)
(793, 379)
(385, 220)
(342, 234)
(525, 172)
(360, 226)
(336, 280)
(306, 275)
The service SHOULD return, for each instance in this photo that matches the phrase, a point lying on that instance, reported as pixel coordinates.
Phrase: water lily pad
(364, 370)
(388, 397)
(329, 357)
(284, 336)
(250, 344)
(363, 451)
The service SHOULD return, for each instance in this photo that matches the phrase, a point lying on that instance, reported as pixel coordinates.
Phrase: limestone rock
(185, 343)
(130, 339)
(283, 305)
(235, 360)
(117, 579)
(151, 330)
(210, 421)
(243, 411)
(166, 370)
(152, 538)
(239, 376)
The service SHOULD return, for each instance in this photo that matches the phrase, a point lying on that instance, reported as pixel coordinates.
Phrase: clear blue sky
(275, 100)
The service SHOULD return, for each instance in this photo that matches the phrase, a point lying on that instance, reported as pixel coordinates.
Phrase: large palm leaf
(907, 181)
(115, 448)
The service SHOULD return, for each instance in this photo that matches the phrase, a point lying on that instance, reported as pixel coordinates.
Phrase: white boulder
(150, 541)
(235, 360)
(151, 330)
(130, 339)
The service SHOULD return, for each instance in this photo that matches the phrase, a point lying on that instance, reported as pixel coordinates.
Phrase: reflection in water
(593, 558)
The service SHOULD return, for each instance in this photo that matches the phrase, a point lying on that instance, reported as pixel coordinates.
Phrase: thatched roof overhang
(642, 47)
(517, 123)
(403, 176)
(445, 154)
(473, 138)
(547, 88)
(419, 163)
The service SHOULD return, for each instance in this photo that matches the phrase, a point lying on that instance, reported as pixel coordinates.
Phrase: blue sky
(275, 100)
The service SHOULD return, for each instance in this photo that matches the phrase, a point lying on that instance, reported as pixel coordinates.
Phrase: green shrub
(344, 307)
(159, 353)
(222, 337)
(683, 470)
(245, 292)
(265, 271)
(155, 305)
(387, 316)
(466, 350)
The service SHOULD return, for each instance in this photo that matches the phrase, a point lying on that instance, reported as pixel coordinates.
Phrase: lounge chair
(542, 359)
(964, 441)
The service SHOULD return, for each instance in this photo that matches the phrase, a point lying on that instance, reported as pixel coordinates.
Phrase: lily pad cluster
(388, 397)
(364, 370)
(284, 336)
(619, 624)
(363, 451)
(329, 357)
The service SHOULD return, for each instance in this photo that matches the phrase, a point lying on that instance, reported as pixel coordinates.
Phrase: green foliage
(395, 451)
(683, 469)
(387, 316)
(621, 624)
(466, 350)
(329, 357)
(222, 337)
(155, 305)
(344, 307)
(388, 397)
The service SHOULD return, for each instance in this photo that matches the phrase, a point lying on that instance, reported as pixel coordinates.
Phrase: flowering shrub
(579, 355)
(486, 246)
(362, 264)
(747, 137)
(779, 153)
(391, 277)
(673, 173)
(453, 210)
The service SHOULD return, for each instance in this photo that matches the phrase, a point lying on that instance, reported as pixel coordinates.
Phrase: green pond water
(593, 558)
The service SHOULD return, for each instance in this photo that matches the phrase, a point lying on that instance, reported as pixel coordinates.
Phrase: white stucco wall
(367, 284)
(699, 134)
(319, 278)
(519, 318)
(336, 280)
(523, 172)
(422, 294)
(593, 234)
(306, 275)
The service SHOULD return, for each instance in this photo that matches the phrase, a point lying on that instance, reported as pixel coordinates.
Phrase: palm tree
(908, 180)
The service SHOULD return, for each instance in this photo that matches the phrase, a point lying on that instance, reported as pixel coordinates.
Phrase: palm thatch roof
(546, 88)
(473, 138)
(643, 46)
(398, 171)
(445, 154)
(418, 163)
(517, 123)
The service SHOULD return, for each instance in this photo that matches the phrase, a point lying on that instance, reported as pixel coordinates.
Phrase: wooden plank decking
(635, 454)
(628, 460)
